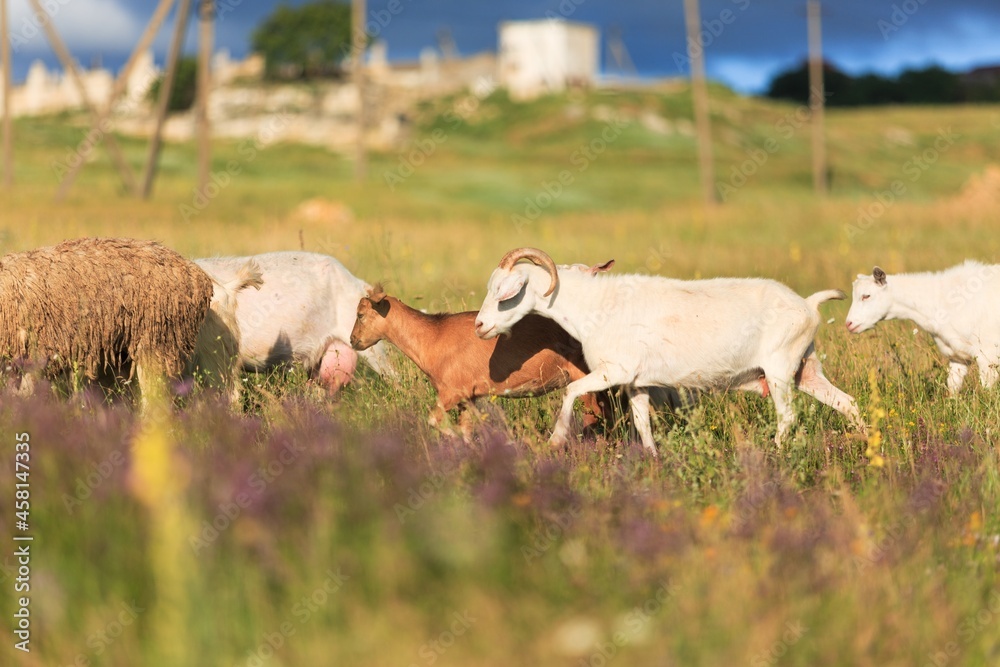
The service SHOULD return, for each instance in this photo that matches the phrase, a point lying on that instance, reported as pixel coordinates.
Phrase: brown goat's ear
(879, 276)
(381, 306)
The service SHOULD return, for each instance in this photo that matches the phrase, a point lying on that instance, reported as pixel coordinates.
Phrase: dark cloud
(746, 41)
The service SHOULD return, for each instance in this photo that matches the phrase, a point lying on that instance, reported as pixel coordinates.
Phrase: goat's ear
(376, 293)
(381, 306)
(600, 268)
(509, 286)
(879, 276)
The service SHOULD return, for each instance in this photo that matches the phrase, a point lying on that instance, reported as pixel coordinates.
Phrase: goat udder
(338, 365)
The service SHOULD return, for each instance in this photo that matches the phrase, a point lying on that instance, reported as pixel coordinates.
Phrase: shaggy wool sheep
(94, 305)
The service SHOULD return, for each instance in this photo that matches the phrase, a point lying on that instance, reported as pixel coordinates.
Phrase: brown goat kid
(538, 357)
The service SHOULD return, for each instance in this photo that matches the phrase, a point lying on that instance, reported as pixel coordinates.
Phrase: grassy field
(307, 530)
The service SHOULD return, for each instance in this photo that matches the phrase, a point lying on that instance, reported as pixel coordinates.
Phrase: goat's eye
(361, 315)
(865, 297)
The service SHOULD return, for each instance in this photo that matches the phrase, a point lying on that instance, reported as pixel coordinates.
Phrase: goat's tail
(814, 300)
(249, 275)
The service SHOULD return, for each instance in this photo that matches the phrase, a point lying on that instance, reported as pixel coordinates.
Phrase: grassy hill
(576, 168)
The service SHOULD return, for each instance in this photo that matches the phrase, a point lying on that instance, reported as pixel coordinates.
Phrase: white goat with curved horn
(643, 331)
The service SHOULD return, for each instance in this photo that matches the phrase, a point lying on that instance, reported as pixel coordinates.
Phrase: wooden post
(359, 44)
(8, 146)
(206, 26)
(120, 84)
(70, 66)
(816, 98)
(152, 158)
(699, 93)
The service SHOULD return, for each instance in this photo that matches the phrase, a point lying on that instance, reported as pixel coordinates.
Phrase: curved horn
(536, 257)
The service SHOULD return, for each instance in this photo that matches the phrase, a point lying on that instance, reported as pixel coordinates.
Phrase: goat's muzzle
(482, 332)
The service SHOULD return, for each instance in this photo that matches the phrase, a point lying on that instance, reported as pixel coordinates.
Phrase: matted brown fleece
(95, 303)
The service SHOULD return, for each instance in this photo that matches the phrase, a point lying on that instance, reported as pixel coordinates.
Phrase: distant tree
(185, 85)
(876, 89)
(793, 85)
(306, 41)
(977, 91)
(933, 85)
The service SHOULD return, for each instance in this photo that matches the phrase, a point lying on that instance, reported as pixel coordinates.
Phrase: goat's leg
(779, 382)
(595, 408)
(987, 370)
(377, 357)
(468, 417)
(639, 401)
(781, 396)
(595, 381)
(812, 381)
(439, 414)
(956, 376)
(438, 418)
(235, 392)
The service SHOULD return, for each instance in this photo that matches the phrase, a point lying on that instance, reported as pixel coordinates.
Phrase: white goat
(646, 331)
(956, 306)
(303, 313)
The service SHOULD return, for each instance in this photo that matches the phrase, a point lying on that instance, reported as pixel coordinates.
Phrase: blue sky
(747, 41)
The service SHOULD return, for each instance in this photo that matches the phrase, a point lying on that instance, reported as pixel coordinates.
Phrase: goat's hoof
(561, 442)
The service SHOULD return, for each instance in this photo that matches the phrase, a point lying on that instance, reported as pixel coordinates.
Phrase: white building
(47, 92)
(547, 55)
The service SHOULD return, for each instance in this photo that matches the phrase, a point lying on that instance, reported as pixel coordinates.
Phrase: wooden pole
(155, 142)
(120, 84)
(699, 92)
(206, 27)
(71, 69)
(8, 146)
(816, 98)
(359, 39)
